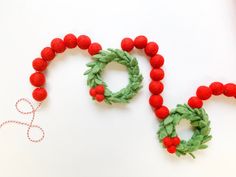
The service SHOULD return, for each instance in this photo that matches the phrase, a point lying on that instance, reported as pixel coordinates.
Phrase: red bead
(37, 79)
(58, 45)
(39, 64)
(83, 42)
(47, 54)
(151, 49)
(92, 92)
(167, 142)
(162, 112)
(100, 89)
(157, 74)
(171, 149)
(140, 42)
(217, 88)
(195, 102)
(156, 101)
(39, 94)
(157, 61)
(94, 48)
(175, 141)
(203, 92)
(156, 87)
(127, 44)
(70, 41)
(230, 90)
(99, 97)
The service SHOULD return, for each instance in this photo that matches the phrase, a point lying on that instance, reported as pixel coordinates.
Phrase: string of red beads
(58, 46)
(157, 74)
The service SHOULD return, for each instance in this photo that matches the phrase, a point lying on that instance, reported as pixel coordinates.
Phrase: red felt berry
(217, 88)
(156, 87)
(167, 141)
(195, 102)
(156, 101)
(157, 74)
(140, 42)
(47, 54)
(157, 61)
(92, 92)
(94, 48)
(162, 112)
(230, 90)
(39, 64)
(58, 45)
(175, 141)
(37, 79)
(39, 94)
(203, 92)
(100, 89)
(127, 44)
(171, 149)
(83, 42)
(99, 97)
(151, 49)
(70, 41)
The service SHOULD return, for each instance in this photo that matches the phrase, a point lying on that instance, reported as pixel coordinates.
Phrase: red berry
(70, 41)
(162, 112)
(157, 74)
(151, 49)
(58, 45)
(39, 94)
(94, 48)
(217, 88)
(156, 87)
(157, 61)
(230, 89)
(37, 79)
(83, 42)
(99, 98)
(175, 141)
(92, 92)
(127, 44)
(140, 42)
(47, 54)
(156, 101)
(167, 141)
(171, 149)
(39, 64)
(203, 92)
(100, 89)
(195, 102)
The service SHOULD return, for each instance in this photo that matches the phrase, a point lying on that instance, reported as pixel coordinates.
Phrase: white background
(86, 139)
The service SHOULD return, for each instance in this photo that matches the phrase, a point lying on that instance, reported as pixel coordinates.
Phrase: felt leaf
(169, 129)
(168, 120)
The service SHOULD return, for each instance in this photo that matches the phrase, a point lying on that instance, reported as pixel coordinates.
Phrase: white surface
(85, 139)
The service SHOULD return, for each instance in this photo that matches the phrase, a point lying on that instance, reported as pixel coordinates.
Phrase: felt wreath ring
(99, 89)
(201, 125)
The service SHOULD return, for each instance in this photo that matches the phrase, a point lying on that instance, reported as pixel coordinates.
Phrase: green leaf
(169, 129)
(168, 120)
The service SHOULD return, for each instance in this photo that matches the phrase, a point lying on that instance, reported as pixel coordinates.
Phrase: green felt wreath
(201, 127)
(124, 58)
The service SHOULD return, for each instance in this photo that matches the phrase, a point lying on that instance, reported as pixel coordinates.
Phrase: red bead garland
(58, 45)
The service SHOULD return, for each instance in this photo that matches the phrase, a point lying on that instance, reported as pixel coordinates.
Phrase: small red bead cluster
(171, 143)
(98, 93)
(58, 45)
(215, 88)
(156, 87)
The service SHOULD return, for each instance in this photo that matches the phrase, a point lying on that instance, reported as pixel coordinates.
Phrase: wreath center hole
(184, 129)
(116, 76)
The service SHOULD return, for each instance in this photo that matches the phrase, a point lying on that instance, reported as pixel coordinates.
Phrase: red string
(30, 125)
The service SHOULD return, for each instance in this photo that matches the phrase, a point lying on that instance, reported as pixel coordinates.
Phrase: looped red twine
(29, 125)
